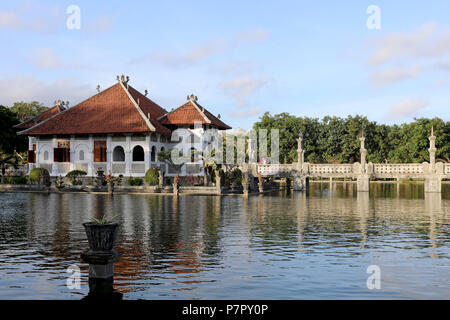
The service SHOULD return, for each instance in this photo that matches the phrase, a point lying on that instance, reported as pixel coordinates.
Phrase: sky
(240, 58)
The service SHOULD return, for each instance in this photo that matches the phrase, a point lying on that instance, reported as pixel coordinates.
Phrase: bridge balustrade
(398, 168)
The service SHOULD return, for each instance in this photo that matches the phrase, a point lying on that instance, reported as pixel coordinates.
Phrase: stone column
(363, 179)
(432, 150)
(300, 152)
(433, 178)
(147, 151)
(218, 182)
(128, 156)
(54, 172)
(108, 155)
(298, 183)
(72, 153)
(90, 157)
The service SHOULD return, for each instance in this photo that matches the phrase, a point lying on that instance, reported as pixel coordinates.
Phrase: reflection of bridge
(300, 172)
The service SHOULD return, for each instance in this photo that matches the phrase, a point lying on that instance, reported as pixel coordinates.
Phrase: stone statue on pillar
(432, 149)
(363, 152)
(300, 151)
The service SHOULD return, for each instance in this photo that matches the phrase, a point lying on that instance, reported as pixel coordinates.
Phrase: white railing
(337, 169)
(398, 168)
(447, 168)
(275, 169)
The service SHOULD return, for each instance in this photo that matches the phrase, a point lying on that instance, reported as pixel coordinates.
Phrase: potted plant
(59, 183)
(110, 179)
(101, 234)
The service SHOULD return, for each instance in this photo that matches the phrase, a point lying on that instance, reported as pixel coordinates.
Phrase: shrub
(74, 176)
(75, 173)
(236, 175)
(152, 176)
(18, 180)
(135, 181)
(39, 175)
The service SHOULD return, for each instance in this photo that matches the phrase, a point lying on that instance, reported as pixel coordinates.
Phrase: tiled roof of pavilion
(39, 118)
(192, 112)
(118, 109)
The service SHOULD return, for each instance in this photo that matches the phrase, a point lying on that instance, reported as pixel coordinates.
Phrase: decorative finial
(432, 131)
(218, 116)
(98, 88)
(118, 78)
(122, 78)
(145, 92)
(128, 79)
(192, 97)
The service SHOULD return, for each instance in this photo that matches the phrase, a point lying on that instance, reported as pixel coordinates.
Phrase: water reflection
(285, 245)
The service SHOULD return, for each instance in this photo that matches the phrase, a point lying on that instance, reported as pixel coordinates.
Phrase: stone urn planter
(101, 237)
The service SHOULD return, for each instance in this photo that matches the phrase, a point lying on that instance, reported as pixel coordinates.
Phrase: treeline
(336, 139)
(13, 147)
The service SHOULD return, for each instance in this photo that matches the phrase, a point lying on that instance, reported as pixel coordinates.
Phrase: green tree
(27, 110)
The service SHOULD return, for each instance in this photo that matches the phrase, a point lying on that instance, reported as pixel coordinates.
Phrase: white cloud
(394, 74)
(245, 113)
(201, 52)
(406, 109)
(101, 24)
(32, 89)
(46, 58)
(33, 17)
(241, 88)
(10, 20)
(429, 40)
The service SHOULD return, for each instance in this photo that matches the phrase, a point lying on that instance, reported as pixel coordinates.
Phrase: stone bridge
(362, 171)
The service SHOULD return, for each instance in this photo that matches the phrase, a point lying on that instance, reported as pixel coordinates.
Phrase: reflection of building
(118, 130)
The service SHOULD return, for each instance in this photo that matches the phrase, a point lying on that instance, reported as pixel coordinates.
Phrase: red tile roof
(39, 118)
(189, 113)
(110, 111)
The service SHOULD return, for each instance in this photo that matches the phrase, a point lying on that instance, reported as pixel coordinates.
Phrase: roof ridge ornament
(192, 97)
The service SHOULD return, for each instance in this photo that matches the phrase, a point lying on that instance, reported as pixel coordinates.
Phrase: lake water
(283, 245)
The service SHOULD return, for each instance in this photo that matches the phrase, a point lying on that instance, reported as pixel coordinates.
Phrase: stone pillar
(128, 156)
(72, 152)
(54, 172)
(363, 179)
(108, 155)
(90, 157)
(363, 152)
(434, 177)
(218, 182)
(147, 151)
(300, 151)
(299, 183)
(432, 183)
(432, 150)
(363, 182)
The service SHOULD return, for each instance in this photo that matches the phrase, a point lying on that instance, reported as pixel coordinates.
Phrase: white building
(118, 130)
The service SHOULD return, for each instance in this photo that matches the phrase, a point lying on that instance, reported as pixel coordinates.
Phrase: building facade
(119, 130)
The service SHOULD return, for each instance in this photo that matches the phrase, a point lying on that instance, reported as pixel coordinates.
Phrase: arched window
(162, 149)
(163, 138)
(45, 155)
(118, 154)
(153, 154)
(138, 153)
(81, 155)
